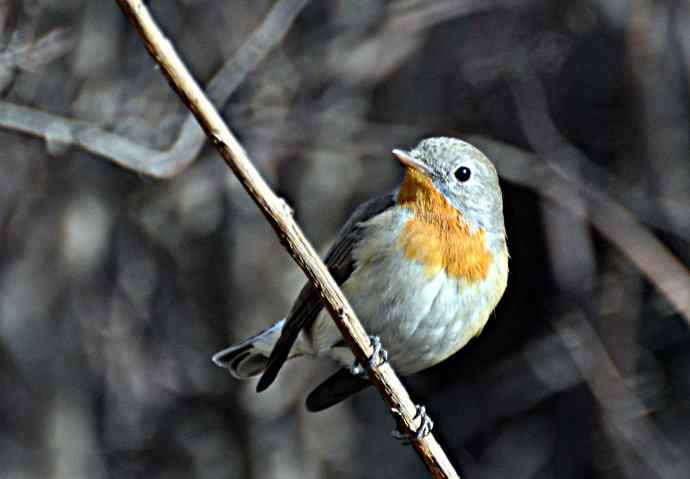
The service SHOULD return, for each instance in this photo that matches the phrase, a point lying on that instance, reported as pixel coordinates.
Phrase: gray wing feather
(308, 304)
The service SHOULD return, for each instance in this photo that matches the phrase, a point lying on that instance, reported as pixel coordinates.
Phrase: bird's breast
(424, 304)
(436, 235)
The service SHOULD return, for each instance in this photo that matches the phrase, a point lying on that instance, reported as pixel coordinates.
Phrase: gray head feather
(479, 197)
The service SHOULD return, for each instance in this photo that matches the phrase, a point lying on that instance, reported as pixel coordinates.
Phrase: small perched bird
(423, 267)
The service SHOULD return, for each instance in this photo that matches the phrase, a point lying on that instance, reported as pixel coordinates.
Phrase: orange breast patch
(438, 236)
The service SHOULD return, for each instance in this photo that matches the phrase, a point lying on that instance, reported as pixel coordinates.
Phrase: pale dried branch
(190, 140)
(279, 216)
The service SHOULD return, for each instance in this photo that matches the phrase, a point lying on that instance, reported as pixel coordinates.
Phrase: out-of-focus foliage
(115, 289)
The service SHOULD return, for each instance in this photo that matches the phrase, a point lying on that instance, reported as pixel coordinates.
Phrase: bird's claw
(359, 371)
(378, 357)
(425, 427)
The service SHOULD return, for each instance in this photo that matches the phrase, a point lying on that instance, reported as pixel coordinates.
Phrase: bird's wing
(336, 388)
(308, 304)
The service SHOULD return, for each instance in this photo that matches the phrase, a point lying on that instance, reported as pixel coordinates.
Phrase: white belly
(420, 320)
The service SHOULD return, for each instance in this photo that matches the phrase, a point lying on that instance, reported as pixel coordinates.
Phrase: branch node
(286, 208)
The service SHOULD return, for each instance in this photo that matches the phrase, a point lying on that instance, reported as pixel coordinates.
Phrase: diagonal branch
(280, 217)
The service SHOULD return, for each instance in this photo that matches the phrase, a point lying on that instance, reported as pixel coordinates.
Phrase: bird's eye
(463, 174)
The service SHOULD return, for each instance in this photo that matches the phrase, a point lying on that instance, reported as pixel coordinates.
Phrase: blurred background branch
(557, 183)
(123, 151)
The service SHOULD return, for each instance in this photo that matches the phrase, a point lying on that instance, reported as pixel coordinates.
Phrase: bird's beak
(407, 160)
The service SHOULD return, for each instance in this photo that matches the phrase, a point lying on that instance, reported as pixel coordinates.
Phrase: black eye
(463, 174)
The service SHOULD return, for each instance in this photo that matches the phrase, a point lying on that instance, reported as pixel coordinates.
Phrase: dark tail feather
(278, 356)
(336, 388)
(274, 363)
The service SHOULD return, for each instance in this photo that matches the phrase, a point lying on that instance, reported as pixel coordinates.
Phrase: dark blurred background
(116, 286)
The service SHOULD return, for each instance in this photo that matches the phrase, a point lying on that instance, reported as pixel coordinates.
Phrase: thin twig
(190, 140)
(31, 56)
(279, 216)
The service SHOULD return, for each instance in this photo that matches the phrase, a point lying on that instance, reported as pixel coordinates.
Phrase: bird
(423, 267)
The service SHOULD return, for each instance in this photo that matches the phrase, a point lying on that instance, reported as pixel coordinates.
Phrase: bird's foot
(425, 427)
(378, 357)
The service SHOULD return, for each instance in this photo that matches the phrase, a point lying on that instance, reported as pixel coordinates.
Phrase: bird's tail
(250, 357)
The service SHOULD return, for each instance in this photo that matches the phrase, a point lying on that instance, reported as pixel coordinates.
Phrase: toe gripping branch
(378, 357)
(425, 427)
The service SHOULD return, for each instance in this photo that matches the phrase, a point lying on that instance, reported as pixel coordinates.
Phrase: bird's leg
(378, 357)
(425, 428)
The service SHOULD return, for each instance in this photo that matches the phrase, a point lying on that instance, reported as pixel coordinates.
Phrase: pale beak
(407, 160)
